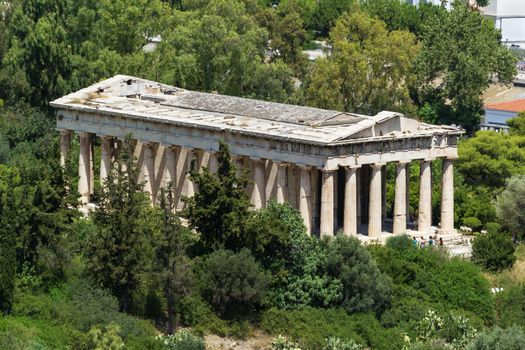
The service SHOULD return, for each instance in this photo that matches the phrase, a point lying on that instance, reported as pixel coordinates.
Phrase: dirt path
(259, 341)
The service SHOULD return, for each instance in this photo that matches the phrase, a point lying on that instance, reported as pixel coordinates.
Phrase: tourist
(414, 241)
(422, 243)
(430, 242)
(440, 242)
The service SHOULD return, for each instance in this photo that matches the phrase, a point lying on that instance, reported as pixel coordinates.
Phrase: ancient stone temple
(329, 165)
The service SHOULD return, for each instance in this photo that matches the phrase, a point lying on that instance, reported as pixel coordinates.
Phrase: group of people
(431, 243)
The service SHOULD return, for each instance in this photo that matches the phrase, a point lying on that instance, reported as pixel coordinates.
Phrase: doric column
(280, 182)
(400, 201)
(327, 203)
(375, 201)
(359, 183)
(106, 160)
(292, 182)
(407, 187)
(170, 168)
(425, 197)
(447, 197)
(65, 145)
(383, 194)
(350, 206)
(305, 197)
(257, 199)
(148, 170)
(190, 186)
(213, 163)
(84, 167)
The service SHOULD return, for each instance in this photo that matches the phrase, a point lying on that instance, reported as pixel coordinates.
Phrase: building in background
(497, 114)
(509, 17)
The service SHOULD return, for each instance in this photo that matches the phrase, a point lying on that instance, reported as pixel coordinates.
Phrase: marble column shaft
(106, 161)
(84, 167)
(400, 200)
(257, 198)
(148, 170)
(375, 201)
(65, 145)
(281, 182)
(350, 205)
(305, 196)
(447, 197)
(425, 197)
(327, 203)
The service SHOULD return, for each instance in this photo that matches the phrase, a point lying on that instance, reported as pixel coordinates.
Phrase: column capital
(280, 163)
(404, 161)
(428, 159)
(65, 131)
(304, 166)
(377, 165)
(327, 170)
(451, 158)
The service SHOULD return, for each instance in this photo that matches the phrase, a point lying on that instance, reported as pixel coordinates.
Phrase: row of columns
(276, 179)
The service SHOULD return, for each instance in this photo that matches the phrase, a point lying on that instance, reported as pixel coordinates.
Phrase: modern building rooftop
(511, 106)
(143, 99)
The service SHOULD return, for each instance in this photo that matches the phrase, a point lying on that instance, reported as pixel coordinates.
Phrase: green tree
(116, 252)
(7, 252)
(233, 283)
(326, 13)
(368, 70)
(510, 206)
(364, 286)
(461, 51)
(494, 251)
(517, 124)
(220, 209)
(171, 265)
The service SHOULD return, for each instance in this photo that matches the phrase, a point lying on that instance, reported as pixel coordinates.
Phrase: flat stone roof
(139, 98)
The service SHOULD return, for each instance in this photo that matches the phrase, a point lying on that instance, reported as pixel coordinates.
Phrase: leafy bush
(232, 282)
(510, 305)
(334, 343)
(460, 284)
(512, 338)
(81, 306)
(312, 326)
(283, 343)
(108, 338)
(472, 222)
(510, 206)
(183, 340)
(365, 288)
(494, 251)
(401, 242)
(21, 333)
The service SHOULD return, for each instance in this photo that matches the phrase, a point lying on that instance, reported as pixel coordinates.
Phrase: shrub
(81, 306)
(365, 288)
(472, 222)
(510, 206)
(109, 338)
(512, 338)
(399, 242)
(233, 282)
(510, 306)
(334, 343)
(312, 326)
(459, 284)
(494, 251)
(283, 343)
(183, 340)
(20, 333)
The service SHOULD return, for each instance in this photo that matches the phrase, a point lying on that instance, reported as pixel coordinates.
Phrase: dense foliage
(117, 278)
(494, 251)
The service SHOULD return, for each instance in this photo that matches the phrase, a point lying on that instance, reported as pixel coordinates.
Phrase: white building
(509, 17)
